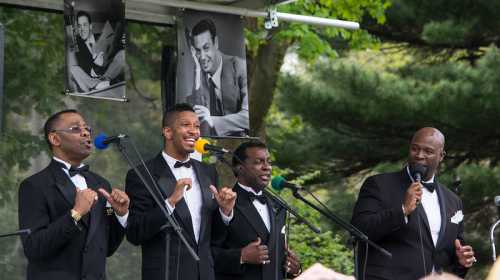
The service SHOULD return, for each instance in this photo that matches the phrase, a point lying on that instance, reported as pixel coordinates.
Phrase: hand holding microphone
(413, 195)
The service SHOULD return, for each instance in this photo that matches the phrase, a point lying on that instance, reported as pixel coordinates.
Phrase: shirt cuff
(226, 219)
(170, 208)
(123, 219)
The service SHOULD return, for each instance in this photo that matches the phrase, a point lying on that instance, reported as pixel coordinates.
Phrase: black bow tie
(429, 186)
(262, 199)
(186, 164)
(78, 170)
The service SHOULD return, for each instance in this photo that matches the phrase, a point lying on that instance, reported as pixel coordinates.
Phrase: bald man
(420, 223)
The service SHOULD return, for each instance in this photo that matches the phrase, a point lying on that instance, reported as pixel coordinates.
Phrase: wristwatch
(75, 216)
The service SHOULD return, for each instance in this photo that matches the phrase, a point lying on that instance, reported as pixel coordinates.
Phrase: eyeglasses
(74, 129)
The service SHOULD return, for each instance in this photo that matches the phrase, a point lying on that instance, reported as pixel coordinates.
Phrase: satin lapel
(245, 206)
(97, 211)
(272, 219)
(206, 196)
(442, 207)
(166, 182)
(64, 184)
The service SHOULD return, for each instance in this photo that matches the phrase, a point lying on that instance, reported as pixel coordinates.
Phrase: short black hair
(51, 122)
(83, 14)
(240, 154)
(171, 113)
(204, 25)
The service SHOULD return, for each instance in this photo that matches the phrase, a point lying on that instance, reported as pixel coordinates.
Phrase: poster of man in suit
(212, 72)
(95, 48)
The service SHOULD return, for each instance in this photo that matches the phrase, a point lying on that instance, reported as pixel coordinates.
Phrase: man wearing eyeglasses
(76, 219)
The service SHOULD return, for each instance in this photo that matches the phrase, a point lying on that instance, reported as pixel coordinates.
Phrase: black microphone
(202, 146)
(102, 141)
(278, 183)
(418, 171)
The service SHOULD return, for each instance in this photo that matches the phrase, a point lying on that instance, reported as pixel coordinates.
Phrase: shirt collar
(170, 160)
(216, 76)
(411, 178)
(249, 189)
(68, 166)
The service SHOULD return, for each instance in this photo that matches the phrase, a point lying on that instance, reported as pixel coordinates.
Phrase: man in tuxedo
(220, 94)
(253, 246)
(188, 192)
(73, 229)
(96, 68)
(420, 223)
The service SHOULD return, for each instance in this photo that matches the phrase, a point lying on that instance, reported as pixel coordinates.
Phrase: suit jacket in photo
(378, 213)
(235, 117)
(146, 219)
(57, 248)
(245, 227)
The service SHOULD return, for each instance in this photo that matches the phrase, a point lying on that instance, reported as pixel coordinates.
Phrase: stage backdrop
(212, 72)
(95, 48)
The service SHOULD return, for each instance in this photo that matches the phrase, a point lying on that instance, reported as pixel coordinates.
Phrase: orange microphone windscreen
(199, 145)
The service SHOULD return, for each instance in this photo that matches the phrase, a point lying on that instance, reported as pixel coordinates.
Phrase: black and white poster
(212, 72)
(95, 48)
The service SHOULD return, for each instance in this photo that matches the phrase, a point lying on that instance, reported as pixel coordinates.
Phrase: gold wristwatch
(75, 215)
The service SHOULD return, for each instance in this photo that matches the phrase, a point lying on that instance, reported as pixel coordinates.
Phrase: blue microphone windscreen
(99, 141)
(277, 183)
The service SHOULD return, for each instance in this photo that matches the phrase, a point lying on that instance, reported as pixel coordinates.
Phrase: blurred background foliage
(334, 106)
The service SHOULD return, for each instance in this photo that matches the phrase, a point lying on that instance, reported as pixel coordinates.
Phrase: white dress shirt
(430, 202)
(261, 207)
(193, 196)
(81, 184)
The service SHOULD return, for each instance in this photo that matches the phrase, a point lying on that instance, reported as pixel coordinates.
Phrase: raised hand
(412, 198)
(182, 185)
(118, 199)
(84, 200)
(226, 199)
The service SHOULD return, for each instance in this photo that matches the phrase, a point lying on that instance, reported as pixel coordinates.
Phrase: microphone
(102, 141)
(418, 171)
(202, 146)
(278, 183)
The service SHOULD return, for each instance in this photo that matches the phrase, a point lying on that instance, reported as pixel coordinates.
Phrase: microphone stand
(356, 233)
(492, 239)
(20, 232)
(171, 225)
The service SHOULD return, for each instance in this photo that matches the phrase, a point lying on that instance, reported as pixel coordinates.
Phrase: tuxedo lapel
(442, 208)
(206, 195)
(97, 211)
(166, 183)
(246, 207)
(63, 183)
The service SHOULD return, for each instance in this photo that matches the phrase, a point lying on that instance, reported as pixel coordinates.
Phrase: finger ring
(474, 259)
(288, 263)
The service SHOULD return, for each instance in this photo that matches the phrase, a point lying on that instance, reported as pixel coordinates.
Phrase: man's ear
(54, 139)
(443, 154)
(167, 133)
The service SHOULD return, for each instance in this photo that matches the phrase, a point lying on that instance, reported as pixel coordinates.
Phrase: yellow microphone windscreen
(199, 145)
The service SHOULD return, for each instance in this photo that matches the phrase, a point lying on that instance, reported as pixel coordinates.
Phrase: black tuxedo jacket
(245, 227)
(378, 213)
(57, 248)
(146, 219)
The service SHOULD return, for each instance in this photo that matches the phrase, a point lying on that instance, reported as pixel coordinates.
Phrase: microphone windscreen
(277, 183)
(418, 169)
(199, 145)
(99, 141)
